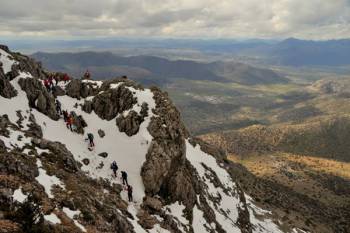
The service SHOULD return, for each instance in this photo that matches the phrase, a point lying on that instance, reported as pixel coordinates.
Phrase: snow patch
(52, 218)
(19, 196)
(71, 214)
(47, 181)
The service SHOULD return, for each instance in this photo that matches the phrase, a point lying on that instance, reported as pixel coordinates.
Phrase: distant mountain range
(155, 70)
(294, 52)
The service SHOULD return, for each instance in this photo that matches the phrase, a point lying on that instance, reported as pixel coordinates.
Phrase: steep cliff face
(50, 171)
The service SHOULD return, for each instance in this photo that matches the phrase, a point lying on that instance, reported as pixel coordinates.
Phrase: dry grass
(294, 172)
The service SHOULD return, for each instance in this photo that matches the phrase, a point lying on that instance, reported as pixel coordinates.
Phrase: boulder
(101, 133)
(152, 203)
(103, 154)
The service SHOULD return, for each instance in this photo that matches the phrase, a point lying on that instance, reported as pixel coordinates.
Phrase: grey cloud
(176, 18)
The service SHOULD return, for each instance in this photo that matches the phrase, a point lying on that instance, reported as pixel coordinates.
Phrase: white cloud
(176, 18)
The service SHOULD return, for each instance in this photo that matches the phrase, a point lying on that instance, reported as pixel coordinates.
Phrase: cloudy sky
(311, 19)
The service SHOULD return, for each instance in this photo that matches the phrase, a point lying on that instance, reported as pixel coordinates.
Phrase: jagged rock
(167, 152)
(78, 89)
(103, 154)
(87, 107)
(183, 186)
(161, 158)
(129, 124)
(113, 101)
(58, 91)
(25, 167)
(73, 89)
(152, 204)
(101, 133)
(6, 88)
(60, 153)
(34, 128)
(146, 220)
(38, 97)
(26, 64)
(121, 225)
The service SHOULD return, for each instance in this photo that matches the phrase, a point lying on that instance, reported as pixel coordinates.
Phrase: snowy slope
(130, 154)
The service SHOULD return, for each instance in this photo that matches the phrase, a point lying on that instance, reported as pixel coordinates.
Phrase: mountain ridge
(177, 186)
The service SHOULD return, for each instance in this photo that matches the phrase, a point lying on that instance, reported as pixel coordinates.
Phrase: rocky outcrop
(78, 89)
(58, 91)
(6, 89)
(113, 101)
(167, 153)
(38, 97)
(60, 154)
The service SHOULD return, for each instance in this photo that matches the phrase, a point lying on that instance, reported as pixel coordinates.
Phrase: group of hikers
(69, 120)
(52, 80)
(67, 117)
(124, 177)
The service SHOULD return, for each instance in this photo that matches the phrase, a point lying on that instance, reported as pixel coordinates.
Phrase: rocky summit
(51, 180)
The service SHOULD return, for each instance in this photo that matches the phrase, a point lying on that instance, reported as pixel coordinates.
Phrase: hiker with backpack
(66, 78)
(125, 178)
(47, 85)
(114, 168)
(58, 107)
(65, 115)
(70, 121)
(91, 139)
(129, 193)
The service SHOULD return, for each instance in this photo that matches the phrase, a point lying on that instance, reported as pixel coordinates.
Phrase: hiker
(58, 107)
(65, 115)
(47, 85)
(125, 178)
(55, 77)
(130, 193)
(114, 168)
(50, 81)
(87, 75)
(70, 122)
(66, 78)
(91, 139)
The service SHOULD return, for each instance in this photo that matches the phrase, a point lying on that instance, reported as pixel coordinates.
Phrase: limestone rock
(113, 101)
(59, 153)
(58, 91)
(87, 107)
(38, 97)
(78, 89)
(152, 204)
(6, 89)
(129, 124)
